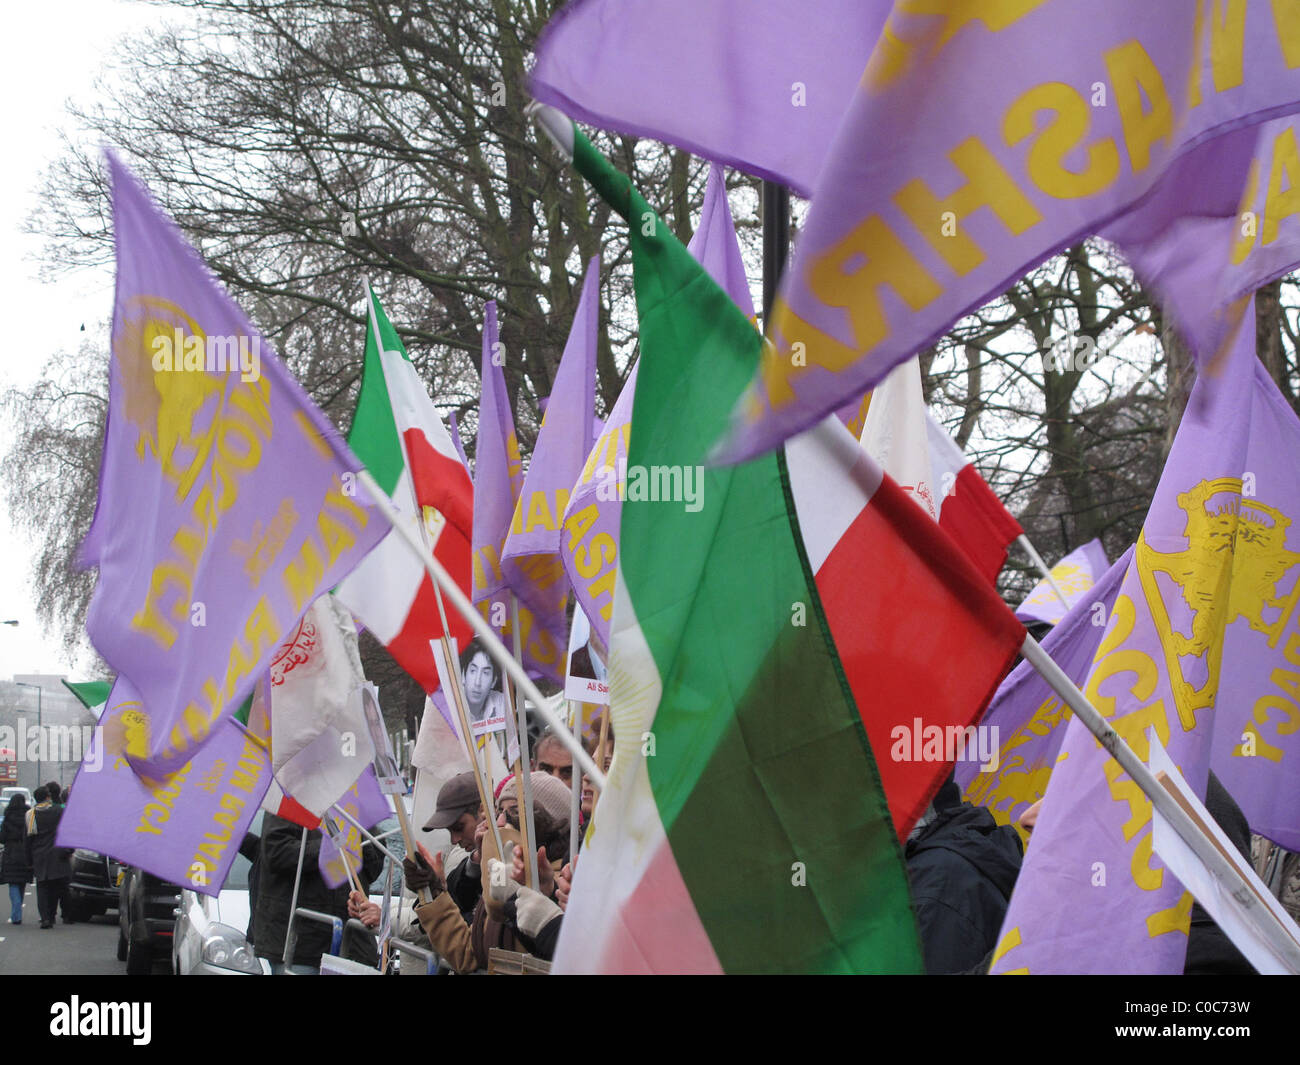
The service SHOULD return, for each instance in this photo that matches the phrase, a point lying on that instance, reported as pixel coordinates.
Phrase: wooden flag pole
(600, 751)
(491, 642)
(575, 789)
(516, 767)
(527, 824)
(352, 877)
(458, 697)
(1037, 560)
(362, 828)
(1202, 845)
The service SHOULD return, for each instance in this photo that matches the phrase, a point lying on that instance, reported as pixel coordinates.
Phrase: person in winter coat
(962, 866)
(51, 864)
(500, 919)
(16, 869)
(277, 869)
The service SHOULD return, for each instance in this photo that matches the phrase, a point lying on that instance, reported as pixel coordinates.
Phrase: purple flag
(227, 503)
(562, 443)
(980, 141)
(1074, 575)
(498, 470)
(498, 480)
(454, 429)
(1225, 224)
(1027, 718)
(1201, 648)
(589, 546)
(365, 803)
(760, 85)
(186, 829)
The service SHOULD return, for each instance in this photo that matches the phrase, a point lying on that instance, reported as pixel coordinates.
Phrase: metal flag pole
(1202, 846)
(1037, 560)
(293, 902)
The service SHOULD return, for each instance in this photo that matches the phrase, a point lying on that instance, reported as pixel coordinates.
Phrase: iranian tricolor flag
(398, 434)
(767, 634)
(969, 511)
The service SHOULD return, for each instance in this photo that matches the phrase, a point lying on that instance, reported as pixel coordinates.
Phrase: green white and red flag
(399, 435)
(766, 638)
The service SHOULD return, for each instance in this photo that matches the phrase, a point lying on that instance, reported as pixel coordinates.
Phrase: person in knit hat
(550, 818)
(465, 946)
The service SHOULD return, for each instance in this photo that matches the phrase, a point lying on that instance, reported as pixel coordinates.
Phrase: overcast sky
(53, 53)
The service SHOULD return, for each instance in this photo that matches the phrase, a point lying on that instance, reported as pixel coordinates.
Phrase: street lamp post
(40, 731)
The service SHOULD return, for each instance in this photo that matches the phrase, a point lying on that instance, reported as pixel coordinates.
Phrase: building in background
(46, 727)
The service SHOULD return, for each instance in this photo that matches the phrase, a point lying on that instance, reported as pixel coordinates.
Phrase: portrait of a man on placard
(484, 699)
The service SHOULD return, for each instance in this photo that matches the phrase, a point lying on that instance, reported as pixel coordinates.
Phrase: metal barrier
(336, 939)
(430, 956)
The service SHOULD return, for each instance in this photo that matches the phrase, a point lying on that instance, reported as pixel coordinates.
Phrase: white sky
(52, 53)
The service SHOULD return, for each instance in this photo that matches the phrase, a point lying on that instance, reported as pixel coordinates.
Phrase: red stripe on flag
(410, 647)
(921, 634)
(981, 526)
(441, 482)
(292, 810)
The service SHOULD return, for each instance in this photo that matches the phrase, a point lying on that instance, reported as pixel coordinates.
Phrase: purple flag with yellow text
(498, 480)
(533, 542)
(1201, 647)
(1226, 223)
(185, 829)
(981, 140)
(227, 502)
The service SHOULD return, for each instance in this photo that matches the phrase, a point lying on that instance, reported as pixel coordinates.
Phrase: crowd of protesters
(476, 898)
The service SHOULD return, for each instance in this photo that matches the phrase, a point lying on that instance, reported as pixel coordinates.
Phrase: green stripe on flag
(762, 774)
(91, 693)
(373, 436)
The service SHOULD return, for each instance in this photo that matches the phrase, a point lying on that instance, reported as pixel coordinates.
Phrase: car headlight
(226, 948)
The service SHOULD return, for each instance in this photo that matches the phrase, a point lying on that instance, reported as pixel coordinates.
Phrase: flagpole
(517, 768)
(575, 791)
(453, 670)
(1202, 846)
(525, 788)
(600, 750)
(353, 881)
(776, 241)
(293, 902)
(491, 642)
(458, 697)
(362, 829)
(1037, 560)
